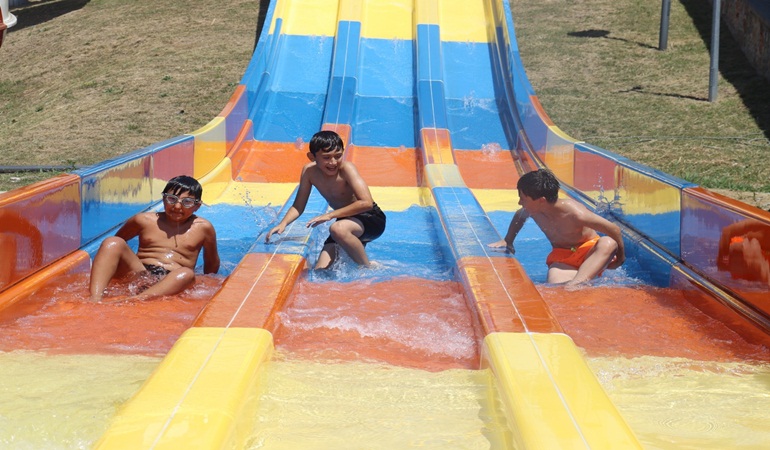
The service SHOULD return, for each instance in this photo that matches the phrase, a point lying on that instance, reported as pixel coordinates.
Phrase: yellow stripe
(400, 198)
(558, 131)
(198, 394)
(310, 17)
(210, 146)
(497, 199)
(552, 398)
(387, 19)
(216, 181)
(350, 10)
(256, 194)
(443, 175)
(426, 12)
(463, 20)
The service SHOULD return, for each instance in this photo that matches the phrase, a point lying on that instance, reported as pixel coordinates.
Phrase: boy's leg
(327, 256)
(596, 260)
(346, 233)
(175, 282)
(559, 273)
(114, 257)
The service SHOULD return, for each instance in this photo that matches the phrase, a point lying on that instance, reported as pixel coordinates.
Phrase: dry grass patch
(83, 81)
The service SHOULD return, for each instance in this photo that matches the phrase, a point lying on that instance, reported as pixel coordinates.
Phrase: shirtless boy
(358, 219)
(169, 244)
(579, 253)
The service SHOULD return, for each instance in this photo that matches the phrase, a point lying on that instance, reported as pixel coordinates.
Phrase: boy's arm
(602, 225)
(363, 202)
(131, 228)
(297, 207)
(517, 222)
(210, 252)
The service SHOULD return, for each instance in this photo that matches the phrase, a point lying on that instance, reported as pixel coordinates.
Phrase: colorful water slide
(445, 343)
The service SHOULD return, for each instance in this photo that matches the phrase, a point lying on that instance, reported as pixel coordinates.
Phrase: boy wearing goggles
(169, 245)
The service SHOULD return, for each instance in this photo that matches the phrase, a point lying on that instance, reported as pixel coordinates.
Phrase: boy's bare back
(567, 223)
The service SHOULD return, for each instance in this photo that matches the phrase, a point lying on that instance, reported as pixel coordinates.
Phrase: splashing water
(490, 150)
(470, 101)
(405, 321)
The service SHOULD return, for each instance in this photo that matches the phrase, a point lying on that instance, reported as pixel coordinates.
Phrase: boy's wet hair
(539, 183)
(326, 141)
(183, 183)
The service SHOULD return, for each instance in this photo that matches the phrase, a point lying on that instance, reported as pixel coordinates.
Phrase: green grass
(619, 92)
(102, 78)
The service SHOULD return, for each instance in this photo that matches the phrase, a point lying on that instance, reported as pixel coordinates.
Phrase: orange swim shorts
(574, 256)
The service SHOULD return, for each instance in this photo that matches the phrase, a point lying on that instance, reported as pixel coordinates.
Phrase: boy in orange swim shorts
(579, 252)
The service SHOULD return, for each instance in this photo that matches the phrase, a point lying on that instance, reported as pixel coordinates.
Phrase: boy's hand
(502, 244)
(318, 220)
(616, 262)
(276, 229)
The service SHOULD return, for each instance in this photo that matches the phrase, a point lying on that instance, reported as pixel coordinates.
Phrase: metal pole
(665, 12)
(714, 70)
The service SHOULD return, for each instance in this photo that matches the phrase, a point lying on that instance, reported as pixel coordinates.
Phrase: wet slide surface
(404, 335)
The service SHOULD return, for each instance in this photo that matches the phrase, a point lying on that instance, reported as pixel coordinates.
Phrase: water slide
(445, 343)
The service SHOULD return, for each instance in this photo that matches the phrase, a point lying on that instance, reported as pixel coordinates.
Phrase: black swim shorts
(373, 222)
(156, 270)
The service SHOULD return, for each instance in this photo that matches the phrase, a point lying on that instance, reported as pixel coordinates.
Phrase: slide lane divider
(552, 398)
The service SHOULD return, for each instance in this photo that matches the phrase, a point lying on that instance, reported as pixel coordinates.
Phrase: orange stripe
(13, 301)
(239, 90)
(386, 166)
(239, 151)
(437, 146)
(254, 292)
(482, 170)
(270, 162)
(727, 202)
(505, 297)
(540, 111)
(341, 129)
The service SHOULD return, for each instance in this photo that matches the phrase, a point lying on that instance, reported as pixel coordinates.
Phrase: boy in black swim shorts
(358, 219)
(169, 245)
(373, 222)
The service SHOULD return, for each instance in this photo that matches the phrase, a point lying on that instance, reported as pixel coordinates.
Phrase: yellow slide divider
(199, 396)
(551, 397)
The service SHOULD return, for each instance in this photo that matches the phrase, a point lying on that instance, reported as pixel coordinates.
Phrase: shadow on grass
(641, 90)
(752, 87)
(605, 34)
(35, 13)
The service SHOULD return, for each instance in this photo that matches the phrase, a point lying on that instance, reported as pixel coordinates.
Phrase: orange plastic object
(270, 162)
(487, 170)
(25, 296)
(342, 129)
(505, 297)
(254, 292)
(386, 166)
(239, 91)
(437, 146)
(53, 204)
